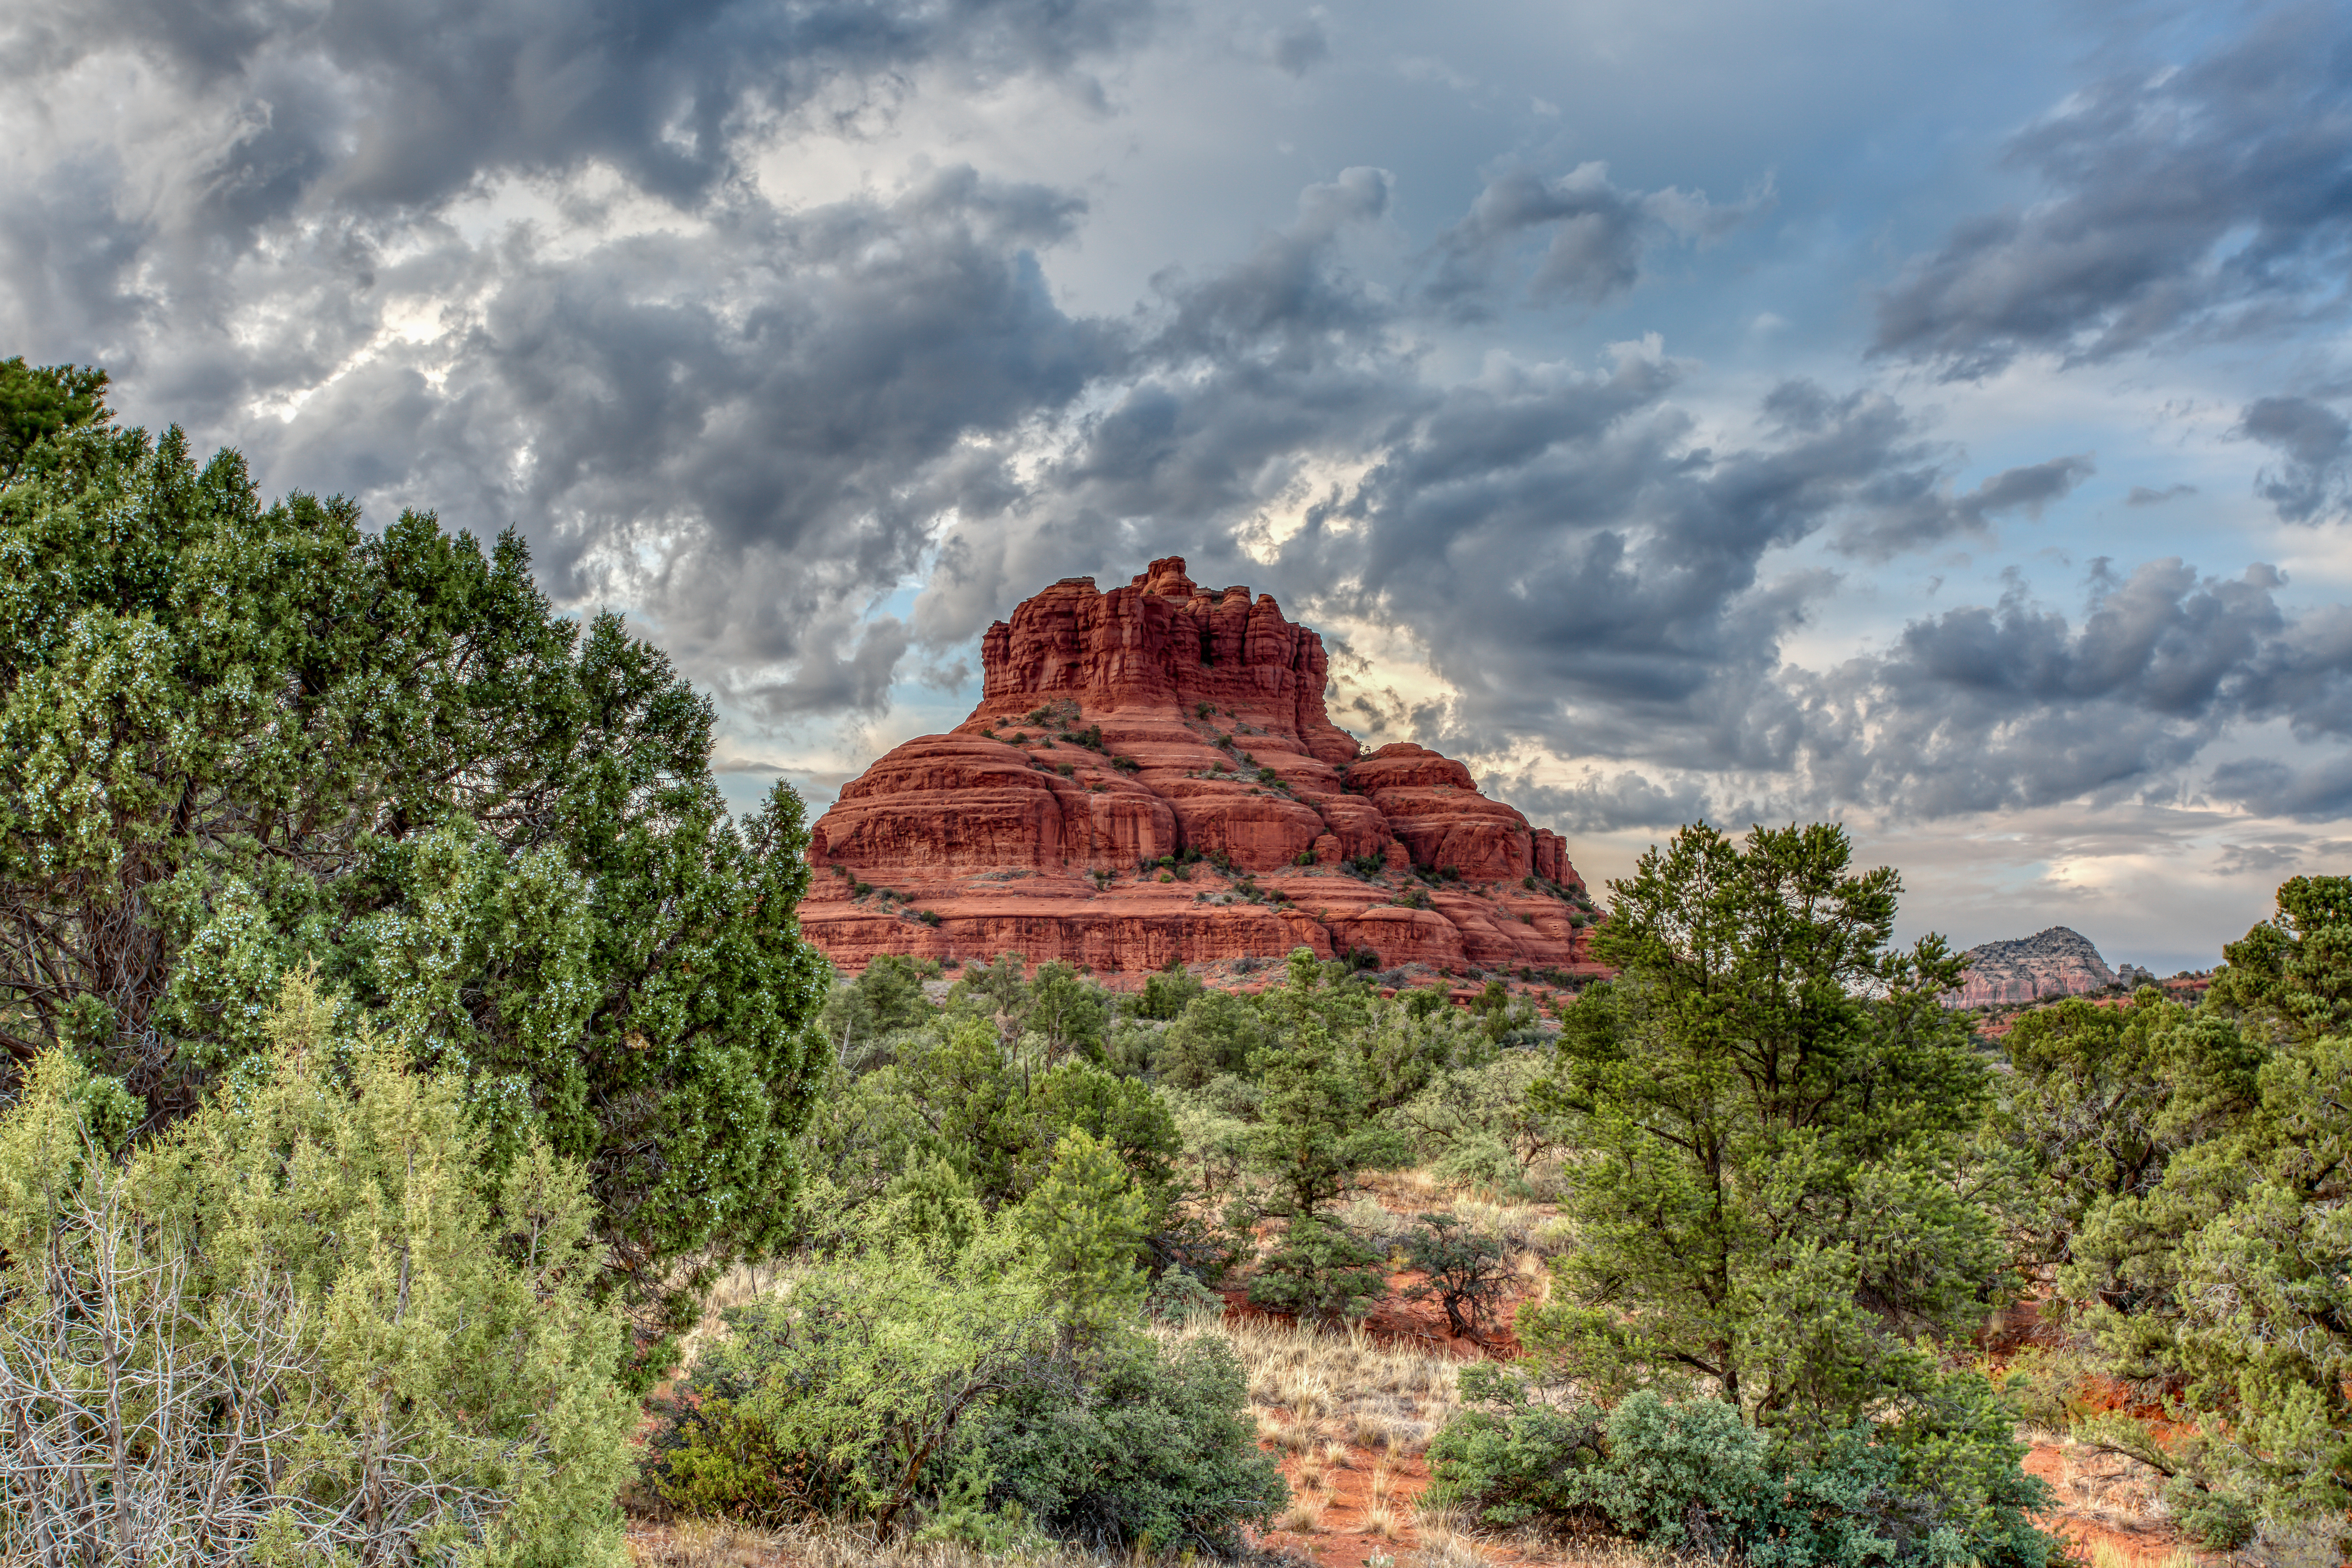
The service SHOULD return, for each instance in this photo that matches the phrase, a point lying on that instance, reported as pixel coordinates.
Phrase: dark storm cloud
(2316, 792)
(1562, 541)
(1912, 508)
(739, 421)
(750, 425)
(747, 431)
(375, 104)
(1245, 377)
(303, 148)
(1594, 234)
(2315, 443)
(1991, 707)
(2215, 199)
(1592, 578)
(1606, 804)
(1301, 47)
(1906, 501)
(1587, 574)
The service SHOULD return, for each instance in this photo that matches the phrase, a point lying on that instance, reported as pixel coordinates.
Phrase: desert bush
(306, 1323)
(1317, 1270)
(923, 1387)
(1482, 1160)
(1216, 1033)
(958, 1091)
(839, 1396)
(1148, 1446)
(1214, 1127)
(238, 738)
(1166, 994)
(1483, 1106)
(884, 999)
(1463, 1270)
(1939, 1487)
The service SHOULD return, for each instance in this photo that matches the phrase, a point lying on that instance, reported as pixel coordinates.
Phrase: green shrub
(1319, 1270)
(921, 1385)
(1146, 1448)
(1217, 1034)
(840, 1397)
(1939, 1488)
(304, 1321)
(1166, 994)
(1463, 1270)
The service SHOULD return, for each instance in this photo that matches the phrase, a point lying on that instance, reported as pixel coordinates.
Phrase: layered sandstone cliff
(2058, 962)
(1150, 775)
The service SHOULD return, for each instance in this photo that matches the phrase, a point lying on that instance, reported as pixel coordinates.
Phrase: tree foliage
(2227, 1280)
(1772, 1109)
(306, 1320)
(910, 1383)
(239, 740)
(1940, 1488)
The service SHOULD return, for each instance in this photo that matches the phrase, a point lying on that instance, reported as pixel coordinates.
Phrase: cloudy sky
(1929, 417)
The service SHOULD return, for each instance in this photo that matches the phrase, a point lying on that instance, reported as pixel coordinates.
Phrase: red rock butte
(1150, 776)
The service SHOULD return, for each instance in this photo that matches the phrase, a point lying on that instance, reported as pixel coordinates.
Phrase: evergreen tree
(1316, 1134)
(2101, 1099)
(307, 1317)
(1067, 1012)
(2228, 1282)
(238, 739)
(1774, 1109)
(1088, 1220)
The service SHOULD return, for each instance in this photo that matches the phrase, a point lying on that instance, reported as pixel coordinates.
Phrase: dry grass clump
(1308, 1386)
(2107, 1555)
(740, 1286)
(701, 1544)
(1445, 1546)
(1304, 1514)
(1448, 1541)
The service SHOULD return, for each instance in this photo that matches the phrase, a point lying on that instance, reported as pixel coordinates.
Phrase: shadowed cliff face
(1164, 720)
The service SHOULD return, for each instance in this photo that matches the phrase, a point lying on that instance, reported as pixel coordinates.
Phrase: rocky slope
(1150, 775)
(2054, 962)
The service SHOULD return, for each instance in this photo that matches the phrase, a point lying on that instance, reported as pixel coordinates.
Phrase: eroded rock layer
(2058, 962)
(1165, 721)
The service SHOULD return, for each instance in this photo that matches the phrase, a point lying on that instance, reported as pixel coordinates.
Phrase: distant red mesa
(1164, 720)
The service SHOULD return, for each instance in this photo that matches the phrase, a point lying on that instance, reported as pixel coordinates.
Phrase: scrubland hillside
(426, 1138)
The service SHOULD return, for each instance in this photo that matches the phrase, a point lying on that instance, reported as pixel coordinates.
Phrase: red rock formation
(1164, 720)
(2053, 963)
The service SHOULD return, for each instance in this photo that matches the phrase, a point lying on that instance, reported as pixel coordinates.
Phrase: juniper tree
(1773, 1109)
(2227, 1282)
(1087, 1219)
(239, 738)
(305, 1317)
(1316, 1135)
